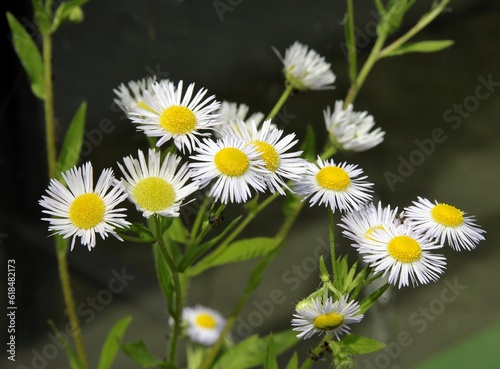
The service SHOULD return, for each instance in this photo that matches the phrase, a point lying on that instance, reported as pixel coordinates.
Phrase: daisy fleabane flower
(402, 254)
(336, 185)
(133, 93)
(235, 166)
(273, 150)
(203, 325)
(350, 130)
(359, 224)
(157, 187)
(174, 114)
(330, 317)
(231, 111)
(80, 210)
(305, 69)
(445, 223)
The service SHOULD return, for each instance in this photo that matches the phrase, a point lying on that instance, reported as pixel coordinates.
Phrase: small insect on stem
(213, 220)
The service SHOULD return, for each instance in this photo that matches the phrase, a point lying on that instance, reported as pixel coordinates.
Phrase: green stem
(177, 288)
(422, 23)
(199, 218)
(281, 102)
(61, 245)
(331, 231)
(351, 43)
(316, 353)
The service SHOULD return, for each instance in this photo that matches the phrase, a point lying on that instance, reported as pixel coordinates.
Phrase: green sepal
(112, 343)
(73, 140)
(63, 12)
(421, 47)
(29, 55)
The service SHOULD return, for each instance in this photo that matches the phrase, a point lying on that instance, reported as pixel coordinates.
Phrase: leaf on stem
(64, 12)
(359, 345)
(270, 359)
(29, 55)
(164, 277)
(112, 343)
(294, 361)
(74, 360)
(72, 144)
(138, 352)
(421, 47)
(370, 300)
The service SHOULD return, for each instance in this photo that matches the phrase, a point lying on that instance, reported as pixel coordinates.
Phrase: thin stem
(49, 106)
(331, 231)
(322, 346)
(199, 218)
(422, 23)
(177, 288)
(281, 101)
(61, 246)
(351, 42)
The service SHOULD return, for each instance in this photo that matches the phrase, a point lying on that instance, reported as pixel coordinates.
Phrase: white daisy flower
(305, 69)
(350, 130)
(172, 114)
(336, 185)
(332, 318)
(236, 165)
(272, 149)
(445, 223)
(79, 210)
(133, 94)
(403, 254)
(360, 224)
(203, 325)
(155, 187)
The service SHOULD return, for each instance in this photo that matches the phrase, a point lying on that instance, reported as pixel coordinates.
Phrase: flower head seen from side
(174, 114)
(336, 185)
(305, 69)
(235, 166)
(445, 223)
(203, 325)
(133, 94)
(157, 187)
(330, 317)
(350, 130)
(404, 255)
(359, 224)
(80, 210)
(231, 111)
(273, 150)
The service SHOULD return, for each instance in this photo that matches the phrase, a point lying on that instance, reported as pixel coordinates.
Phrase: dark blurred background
(228, 51)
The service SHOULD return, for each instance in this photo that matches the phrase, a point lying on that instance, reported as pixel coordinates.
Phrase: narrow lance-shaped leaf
(72, 144)
(74, 360)
(270, 359)
(112, 343)
(28, 54)
(421, 47)
(294, 361)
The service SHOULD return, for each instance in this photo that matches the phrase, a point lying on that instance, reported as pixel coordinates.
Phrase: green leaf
(112, 343)
(74, 360)
(138, 352)
(72, 144)
(360, 345)
(270, 359)
(309, 144)
(164, 277)
(28, 53)
(294, 362)
(252, 351)
(64, 11)
(237, 251)
(177, 232)
(421, 47)
(370, 300)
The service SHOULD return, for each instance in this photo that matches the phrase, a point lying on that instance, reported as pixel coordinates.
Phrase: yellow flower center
(327, 322)
(154, 194)
(269, 154)
(333, 178)
(447, 215)
(87, 211)
(231, 161)
(404, 249)
(369, 232)
(178, 120)
(206, 321)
